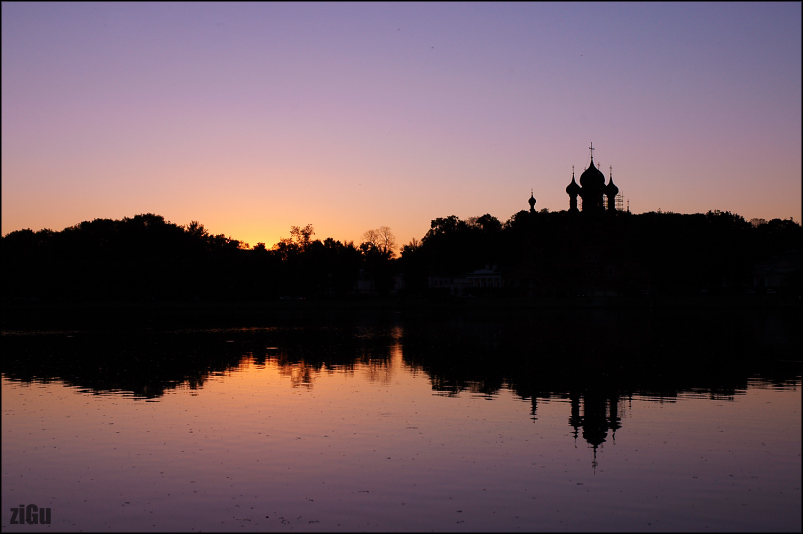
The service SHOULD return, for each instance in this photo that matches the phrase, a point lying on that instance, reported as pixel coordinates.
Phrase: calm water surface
(392, 422)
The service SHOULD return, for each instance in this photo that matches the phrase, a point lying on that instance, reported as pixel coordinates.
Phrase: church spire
(573, 190)
(611, 191)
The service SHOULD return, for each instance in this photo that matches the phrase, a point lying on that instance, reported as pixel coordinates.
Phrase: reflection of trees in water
(141, 364)
(147, 362)
(536, 354)
(594, 359)
(299, 373)
(547, 352)
(303, 373)
(147, 375)
(306, 352)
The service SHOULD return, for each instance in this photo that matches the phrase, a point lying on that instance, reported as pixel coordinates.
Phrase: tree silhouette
(556, 254)
(380, 239)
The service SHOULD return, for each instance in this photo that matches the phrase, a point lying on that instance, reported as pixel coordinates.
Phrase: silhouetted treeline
(148, 258)
(534, 253)
(566, 254)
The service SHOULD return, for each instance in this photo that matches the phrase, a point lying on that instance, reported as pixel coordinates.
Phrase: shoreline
(29, 313)
(662, 301)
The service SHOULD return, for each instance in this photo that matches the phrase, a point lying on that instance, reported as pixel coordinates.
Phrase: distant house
(368, 285)
(780, 271)
(398, 284)
(484, 279)
(365, 285)
(480, 281)
(447, 284)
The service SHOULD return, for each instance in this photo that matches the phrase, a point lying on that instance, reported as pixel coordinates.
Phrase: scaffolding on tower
(619, 201)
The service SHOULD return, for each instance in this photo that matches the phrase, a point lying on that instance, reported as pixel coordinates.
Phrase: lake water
(555, 420)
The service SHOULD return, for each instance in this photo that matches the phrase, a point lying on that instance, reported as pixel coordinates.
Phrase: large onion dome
(592, 177)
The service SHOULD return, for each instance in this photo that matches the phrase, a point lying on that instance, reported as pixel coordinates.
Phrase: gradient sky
(254, 117)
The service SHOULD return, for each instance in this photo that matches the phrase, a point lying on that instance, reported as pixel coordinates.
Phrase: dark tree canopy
(538, 253)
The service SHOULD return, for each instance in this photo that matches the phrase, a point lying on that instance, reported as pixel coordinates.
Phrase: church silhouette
(592, 190)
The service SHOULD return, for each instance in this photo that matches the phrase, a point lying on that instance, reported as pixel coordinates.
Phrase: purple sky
(254, 117)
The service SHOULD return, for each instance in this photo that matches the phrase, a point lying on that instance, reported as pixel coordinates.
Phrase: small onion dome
(592, 177)
(573, 188)
(611, 190)
(532, 200)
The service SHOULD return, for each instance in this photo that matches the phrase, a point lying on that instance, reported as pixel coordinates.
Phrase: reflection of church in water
(600, 414)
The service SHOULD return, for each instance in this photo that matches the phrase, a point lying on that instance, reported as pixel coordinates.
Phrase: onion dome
(592, 177)
(531, 201)
(573, 188)
(611, 190)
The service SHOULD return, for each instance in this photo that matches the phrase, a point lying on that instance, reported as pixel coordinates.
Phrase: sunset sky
(254, 117)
